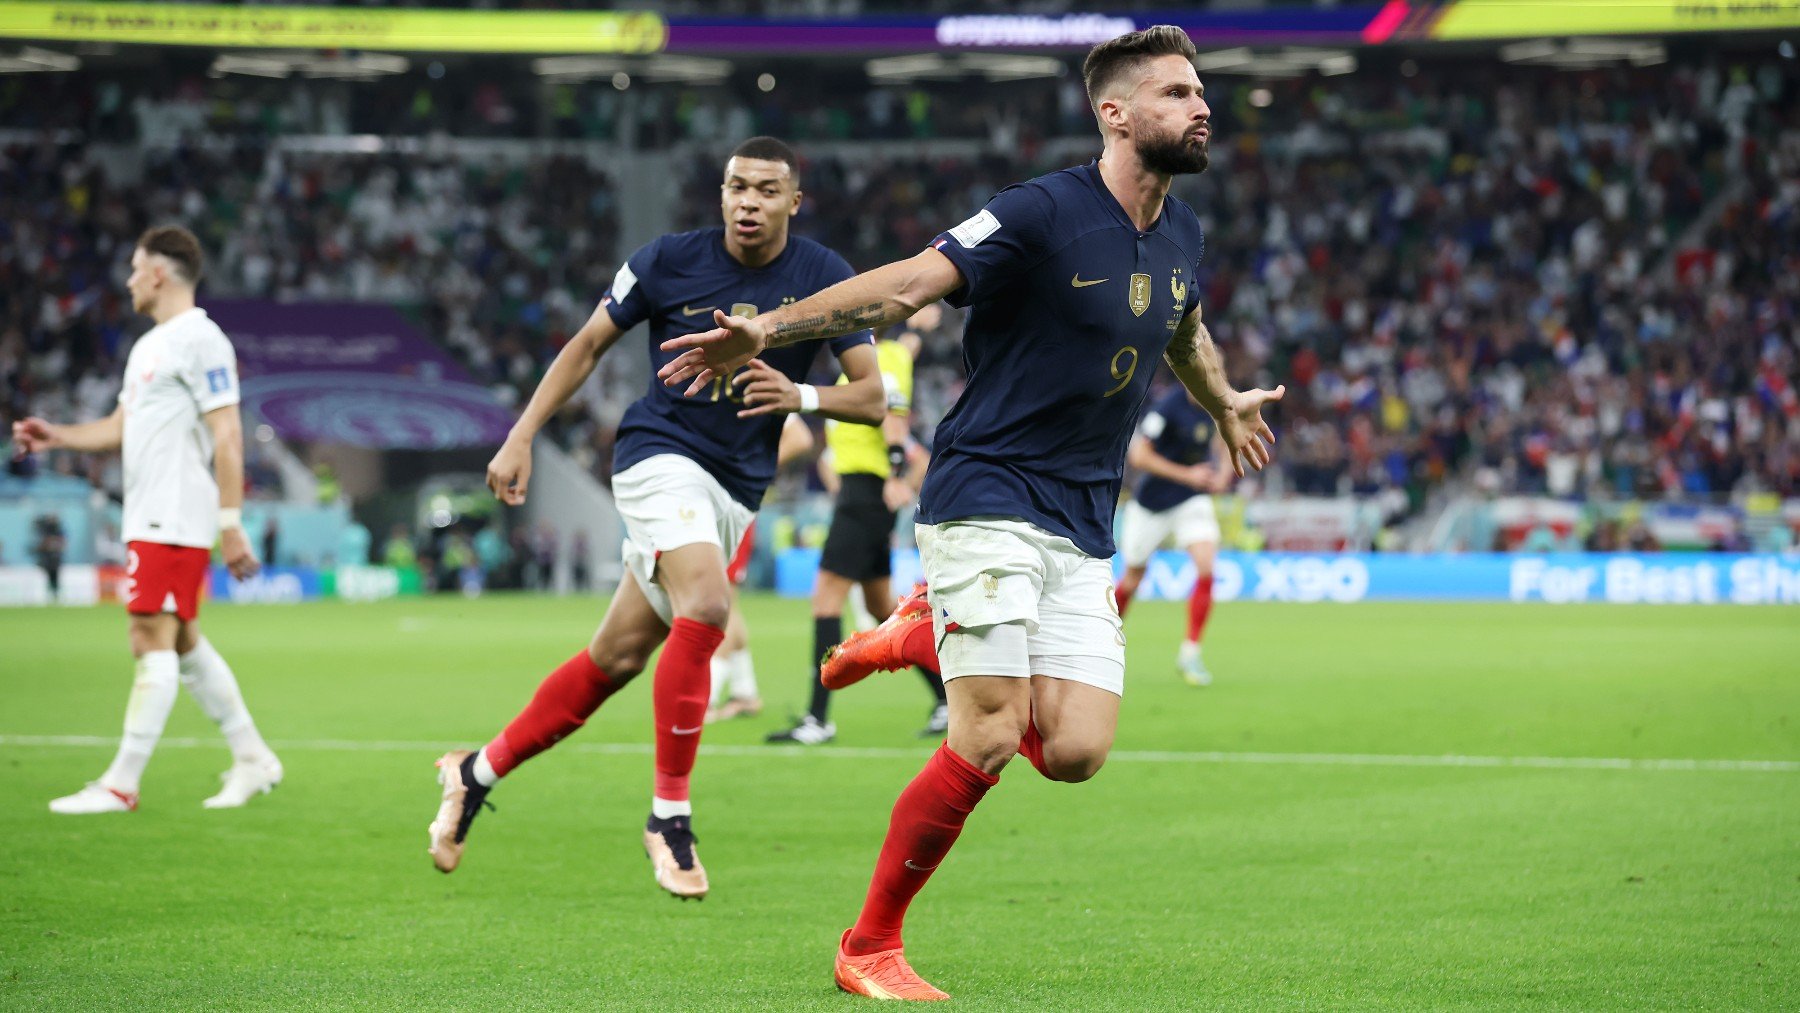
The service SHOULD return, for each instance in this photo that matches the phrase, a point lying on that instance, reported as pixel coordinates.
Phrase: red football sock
(1199, 604)
(1031, 746)
(562, 704)
(683, 683)
(920, 648)
(926, 822)
(1123, 598)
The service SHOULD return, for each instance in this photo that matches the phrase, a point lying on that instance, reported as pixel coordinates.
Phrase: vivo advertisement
(1649, 579)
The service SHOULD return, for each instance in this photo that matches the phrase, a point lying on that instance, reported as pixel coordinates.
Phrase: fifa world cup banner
(356, 374)
(1559, 579)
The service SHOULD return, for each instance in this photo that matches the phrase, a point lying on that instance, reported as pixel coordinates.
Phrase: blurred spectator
(48, 550)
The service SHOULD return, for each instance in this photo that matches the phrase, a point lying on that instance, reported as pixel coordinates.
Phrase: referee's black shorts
(857, 546)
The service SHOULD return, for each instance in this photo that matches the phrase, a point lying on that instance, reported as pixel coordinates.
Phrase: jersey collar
(1092, 172)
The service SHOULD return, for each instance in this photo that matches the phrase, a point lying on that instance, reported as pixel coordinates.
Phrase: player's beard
(1173, 154)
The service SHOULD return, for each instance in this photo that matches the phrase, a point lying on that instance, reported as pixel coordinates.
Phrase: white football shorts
(1011, 599)
(668, 501)
(1142, 531)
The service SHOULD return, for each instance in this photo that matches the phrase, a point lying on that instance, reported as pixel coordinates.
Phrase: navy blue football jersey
(1181, 431)
(675, 282)
(1071, 308)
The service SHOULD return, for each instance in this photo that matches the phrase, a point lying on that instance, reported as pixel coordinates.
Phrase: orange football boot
(876, 650)
(884, 974)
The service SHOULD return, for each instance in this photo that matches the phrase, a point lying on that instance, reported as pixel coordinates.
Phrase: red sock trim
(562, 704)
(1031, 746)
(683, 686)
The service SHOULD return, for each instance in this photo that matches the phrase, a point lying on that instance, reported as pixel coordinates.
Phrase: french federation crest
(1178, 289)
(1140, 294)
(743, 309)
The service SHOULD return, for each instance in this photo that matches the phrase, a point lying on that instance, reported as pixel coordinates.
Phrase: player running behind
(178, 425)
(1174, 448)
(1075, 281)
(869, 466)
(733, 670)
(688, 474)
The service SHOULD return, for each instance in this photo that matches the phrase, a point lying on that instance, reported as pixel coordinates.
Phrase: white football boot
(245, 781)
(95, 798)
(1193, 670)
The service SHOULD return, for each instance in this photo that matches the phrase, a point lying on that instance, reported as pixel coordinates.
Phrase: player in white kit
(177, 422)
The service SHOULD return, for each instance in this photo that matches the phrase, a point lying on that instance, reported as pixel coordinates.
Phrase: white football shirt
(178, 371)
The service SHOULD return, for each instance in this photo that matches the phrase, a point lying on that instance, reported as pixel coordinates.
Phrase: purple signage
(356, 374)
(1348, 25)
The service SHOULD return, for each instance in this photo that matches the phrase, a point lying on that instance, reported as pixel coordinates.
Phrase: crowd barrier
(83, 584)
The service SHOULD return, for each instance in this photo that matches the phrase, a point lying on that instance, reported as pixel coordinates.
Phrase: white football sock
(742, 669)
(721, 671)
(207, 676)
(484, 771)
(153, 694)
(663, 808)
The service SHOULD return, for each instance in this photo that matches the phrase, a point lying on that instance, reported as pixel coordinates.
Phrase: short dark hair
(769, 149)
(1113, 58)
(180, 246)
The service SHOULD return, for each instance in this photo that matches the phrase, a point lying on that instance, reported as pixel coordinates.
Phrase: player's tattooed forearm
(798, 329)
(845, 321)
(1184, 348)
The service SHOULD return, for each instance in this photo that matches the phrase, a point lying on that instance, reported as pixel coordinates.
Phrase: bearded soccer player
(1075, 281)
(688, 474)
(177, 423)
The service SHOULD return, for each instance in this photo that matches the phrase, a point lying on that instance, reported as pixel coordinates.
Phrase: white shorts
(1009, 598)
(668, 501)
(1142, 531)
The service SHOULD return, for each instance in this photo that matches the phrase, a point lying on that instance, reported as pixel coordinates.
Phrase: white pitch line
(889, 753)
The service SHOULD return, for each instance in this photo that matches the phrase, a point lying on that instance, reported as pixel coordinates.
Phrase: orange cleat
(876, 650)
(884, 974)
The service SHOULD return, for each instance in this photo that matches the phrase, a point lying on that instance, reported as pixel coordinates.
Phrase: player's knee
(988, 754)
(709, 608)
(1073, 763)
(622, 658)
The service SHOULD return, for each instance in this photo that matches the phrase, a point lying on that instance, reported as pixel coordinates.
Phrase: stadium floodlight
(31, 60)
(955, 66)
(1585, 53)
(284, 64)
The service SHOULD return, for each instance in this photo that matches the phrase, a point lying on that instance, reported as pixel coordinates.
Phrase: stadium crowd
(1544, 282)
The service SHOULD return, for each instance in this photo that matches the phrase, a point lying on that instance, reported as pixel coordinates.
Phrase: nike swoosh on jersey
(1076, 281)
(694, 311)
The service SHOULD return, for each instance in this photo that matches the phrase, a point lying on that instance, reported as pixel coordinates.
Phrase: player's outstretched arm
(768, 391)
(875, 298)
(227, 427)
(1142, 455)
(34, 434)
(509, 473)
(1196, 363)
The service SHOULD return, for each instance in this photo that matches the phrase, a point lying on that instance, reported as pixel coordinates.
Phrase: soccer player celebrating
(688, 474)
(177, 422)
(1074, 280)
(868, 465)
(1174, 450)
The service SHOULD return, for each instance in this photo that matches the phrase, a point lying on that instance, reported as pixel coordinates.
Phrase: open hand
(1247, 437)
(718, 352)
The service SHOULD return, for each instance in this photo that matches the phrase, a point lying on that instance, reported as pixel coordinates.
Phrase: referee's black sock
(827, 631)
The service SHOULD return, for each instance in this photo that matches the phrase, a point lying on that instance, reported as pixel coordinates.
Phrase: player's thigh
(694, 577)
(1197, 529)
(1204, 555)
(187, 636)
(987, 717)
(1077, 722)
(629, 632)
(153, 632)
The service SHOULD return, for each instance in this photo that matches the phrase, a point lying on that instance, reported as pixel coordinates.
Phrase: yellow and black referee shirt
(862, 450)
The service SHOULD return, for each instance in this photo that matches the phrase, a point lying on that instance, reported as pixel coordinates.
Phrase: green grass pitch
(1254, 845)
